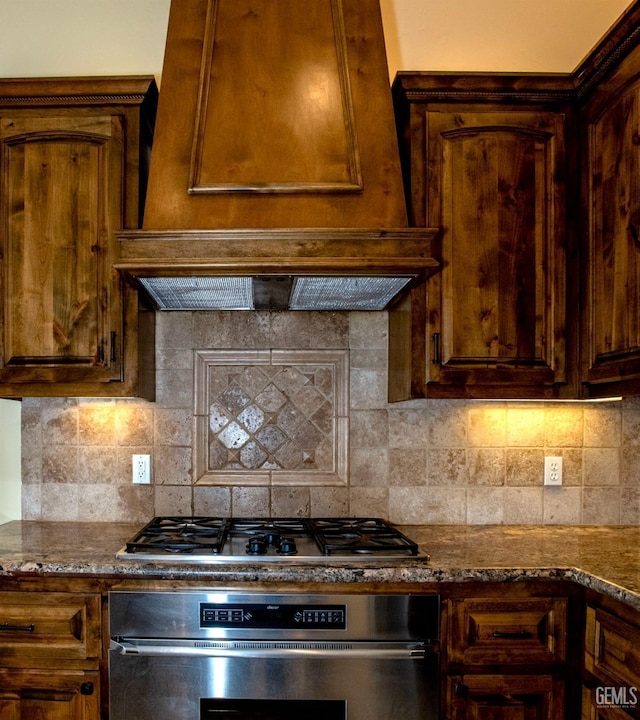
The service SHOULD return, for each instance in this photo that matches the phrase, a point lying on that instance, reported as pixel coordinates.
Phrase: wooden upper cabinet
(63, 304)
(492, 188)
(611, 347)
(70, 177)
(492, 177)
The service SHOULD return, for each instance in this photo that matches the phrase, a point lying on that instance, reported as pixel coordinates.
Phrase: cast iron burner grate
(360, 535)
(199, 535)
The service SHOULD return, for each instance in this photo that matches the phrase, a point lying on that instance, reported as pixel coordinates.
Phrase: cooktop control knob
(257, 545)
(287, 546)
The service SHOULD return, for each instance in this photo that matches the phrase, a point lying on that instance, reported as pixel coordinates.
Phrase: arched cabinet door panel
(72, 173)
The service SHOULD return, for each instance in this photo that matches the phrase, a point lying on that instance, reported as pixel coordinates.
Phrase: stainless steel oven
(197, 655)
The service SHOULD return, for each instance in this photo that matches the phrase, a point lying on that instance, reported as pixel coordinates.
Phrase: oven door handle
(275, 649)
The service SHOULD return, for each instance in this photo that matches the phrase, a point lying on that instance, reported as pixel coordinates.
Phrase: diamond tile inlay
(233, 436)
(271, 398)
(252, 418)
(271, 417)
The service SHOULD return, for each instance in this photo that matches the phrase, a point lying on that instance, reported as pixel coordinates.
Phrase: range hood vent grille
(273, 293)
(345, 293)
(201, 293)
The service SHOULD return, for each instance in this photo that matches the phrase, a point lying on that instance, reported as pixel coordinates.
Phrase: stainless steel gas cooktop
(206, 540)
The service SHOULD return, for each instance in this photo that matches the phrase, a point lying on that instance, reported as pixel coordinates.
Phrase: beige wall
(9, 460)
(495, 35)
(94, 37)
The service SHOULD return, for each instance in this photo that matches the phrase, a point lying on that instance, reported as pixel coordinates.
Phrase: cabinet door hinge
(436, 348)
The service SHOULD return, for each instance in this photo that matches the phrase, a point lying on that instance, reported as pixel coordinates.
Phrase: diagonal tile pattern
(275, 427)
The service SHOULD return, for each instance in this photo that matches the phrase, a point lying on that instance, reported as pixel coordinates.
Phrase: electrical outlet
(141, 469)
(553, 470)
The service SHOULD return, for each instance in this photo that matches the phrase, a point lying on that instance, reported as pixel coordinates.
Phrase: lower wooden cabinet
(49, 695)
(600, 703)
(50, 654)
(612, 666)
(505, 697)
(507, 657)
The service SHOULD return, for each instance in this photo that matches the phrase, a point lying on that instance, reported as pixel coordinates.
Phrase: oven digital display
(265, 616)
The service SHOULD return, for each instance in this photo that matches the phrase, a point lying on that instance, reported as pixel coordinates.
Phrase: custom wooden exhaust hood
(275, 159)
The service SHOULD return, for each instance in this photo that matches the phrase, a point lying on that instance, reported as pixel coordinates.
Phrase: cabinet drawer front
(48, 625)
(489, 631)
(55, 695)
(612, 649)
(534, 697)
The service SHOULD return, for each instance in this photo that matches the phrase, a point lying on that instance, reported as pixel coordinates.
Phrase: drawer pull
(518, 635)
(17, 628)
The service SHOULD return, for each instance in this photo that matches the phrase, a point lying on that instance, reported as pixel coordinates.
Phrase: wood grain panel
(495, 217)
(58, 179)
(73, 154)
(486, 631)
(615, 239)
(48, 625)
(35, 695)
(504, 697)
(612, 649)
(276, 115)
(275, 112)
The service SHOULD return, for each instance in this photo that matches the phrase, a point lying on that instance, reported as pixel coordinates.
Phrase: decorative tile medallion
(271, 417)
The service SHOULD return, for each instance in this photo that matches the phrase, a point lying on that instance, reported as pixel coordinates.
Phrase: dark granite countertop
(606, 559)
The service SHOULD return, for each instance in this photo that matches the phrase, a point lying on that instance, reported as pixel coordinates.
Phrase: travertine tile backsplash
(435, 461)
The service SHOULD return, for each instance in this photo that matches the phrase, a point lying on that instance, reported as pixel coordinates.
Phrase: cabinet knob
(86, 688)
(461, 690)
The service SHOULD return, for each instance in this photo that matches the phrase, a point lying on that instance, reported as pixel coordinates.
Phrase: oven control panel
(280, 617)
